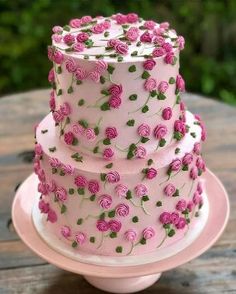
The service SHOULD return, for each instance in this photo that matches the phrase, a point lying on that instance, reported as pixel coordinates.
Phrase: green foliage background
(209, 26)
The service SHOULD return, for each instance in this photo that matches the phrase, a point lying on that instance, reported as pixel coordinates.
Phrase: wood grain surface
(22, 272)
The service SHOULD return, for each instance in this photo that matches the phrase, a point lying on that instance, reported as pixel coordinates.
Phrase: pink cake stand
(122, 279)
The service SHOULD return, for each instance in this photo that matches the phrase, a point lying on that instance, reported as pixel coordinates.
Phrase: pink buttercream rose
(70, 65)
(159, 40)
(164, 25)
(52, 102)
(98, 28)
(197, 198)
(151, 173)
(149, 24)
(181, 205)
(52, 216)
(80, 181)
(149, 64)
(169, 190)
(179, 126)
(121, 190)
(169, 58)
(112, 42)
(80, 73)
(93, 186)
(101, 66)
(65, 109)
(57, 29)
(115, 90)
(78, 47)
(157, 52)
(61, 194)
(86, 19)
(108, 153)
(90, 134)
(167, 113)
(150, 84)
(56, 38)
(148, 233)
(200, 164)
(82, 37)
(111, 132)
(158, 31)
(94, 76)
(132, 17)
(182, 106)
(160, 131)
(190, 206)
(54, 162)
(75, 23)
(167, 46)
(140, 152)
(102, 225)
(38, 149)
(57, 116)
(130, 235)
(146, 37)
(50, 53)
(144, 130)
(112, 177)
(106, 24)
(58, 57)
(122, 210)
(174, 218)
(114, 102)
(65, 231)
(175, 165)
(181, 223)
(181, 42)
(43, 206)
(163, 86)
(67, 169)
(52, 186)
(80, 238)
(121, 48)
(187, 159)
(120, 18)
(180, 84)
(141, 190)
(78, 129)
(132, 34)
(193, 173)
(51, 76)
(114, 225)
(105, 201)
(69, 138)
(69, 39)
(41, 175)
(165, 218)
(43, 188)
(199, 188)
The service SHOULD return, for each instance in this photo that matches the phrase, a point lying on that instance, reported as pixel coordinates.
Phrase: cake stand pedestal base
(124, 285)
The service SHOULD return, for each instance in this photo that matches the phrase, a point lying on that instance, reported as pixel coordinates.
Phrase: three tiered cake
(118, 158)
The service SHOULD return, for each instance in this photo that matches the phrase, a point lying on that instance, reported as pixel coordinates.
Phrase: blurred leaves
(208, 62)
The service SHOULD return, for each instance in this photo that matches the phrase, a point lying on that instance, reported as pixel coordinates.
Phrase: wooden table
(21, 271)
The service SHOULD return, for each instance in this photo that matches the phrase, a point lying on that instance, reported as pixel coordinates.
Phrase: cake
(118, 158)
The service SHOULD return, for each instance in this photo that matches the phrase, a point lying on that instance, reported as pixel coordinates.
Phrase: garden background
(208, 62)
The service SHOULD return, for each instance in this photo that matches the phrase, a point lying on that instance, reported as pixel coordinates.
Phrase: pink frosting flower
(140, 152)
(65, 109)
(69, 138)
(82, 37)
(78, 47)
(120, 18)
(75, 23)
(151, 173)
(41, 175)
(65, 231)
(57, 29)
(98, 28)
(57, 116)
(90, 134)
(61, 194)
(67, 169)
(200, 164)
(43, 206)
(43, 188)
(114, 102)
(150, 84)
(80, 73)
(111, 132)
(141, 190)
(80, 238)
(159, 40)
(193, 173)
(94, 76)
(102, 225)
(121, 48)
(115, 90)
(179, 126)
(57, 38)
(113, 177)
(169, 58)
(157, 52)
(52, 216)
(163, 86)
(69, 39)
(51, 76)
(132, 34)
(144, 130)
(108, 153)
(38, 149)
(181, 42)
(78, 129)
(181, 223)
(159, 31)
(160, 131)
(132, 17)
(168, 47)
(149, 24)
(165, 218)
(50, 53)
(169, 190)
(52, 102)
(114, 225)
(122, 210)
(182, 106)
(58, 57)
(81, 181)
(199, 188)
(197, 198)
(146, 37)
(93, 186)
(180, 84)
(175, 165)
(112, 42)
(181, 205)
(190, 206)
(54, 162)
(148, 233)
(174, 218)
(164, 25)
(121, 190)
(167, 113)
(86, 19)
(52, 186)
(149, 64)
(130, 235)
(101, 66)
(70, 65)
(106, 24)
(105, 201)
(187, 159)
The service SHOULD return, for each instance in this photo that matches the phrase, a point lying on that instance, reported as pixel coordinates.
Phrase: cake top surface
(117, 38)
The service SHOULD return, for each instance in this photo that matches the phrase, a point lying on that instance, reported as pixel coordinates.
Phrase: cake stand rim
(26, 230)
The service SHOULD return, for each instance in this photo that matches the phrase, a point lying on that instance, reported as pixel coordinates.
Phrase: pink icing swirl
(157, 52)
(111, 132)
(180, 83)
(165, 218)
(51, 76)
(121, 48)
(148, 233)
(149, 24)
(114, 102)
(70, 65)
(193, 173)
(181, 223)
(43, 206)
(163, 86)
(130, 235)
(113, 177)
(61, 194)
(101, 66)
(132, 17)
(115, 90)
(132, 34)
(160, 131)
(146, 37)
(102, 225)
(140, 152)
(105, 201)
(122, 210)
(141, 190)
(69, 39)
(114, 225)
(69, 138)
(65, 109)
(80, 238)
(90, 134)
(54, 162)
(108, 153)
(169, 190)
(80, 73)
(167, 113)
(52, 216)
(66, 231)
(82, 37)
(121, 190)
(174, 218)
(181, 205)
(78, 47)
(144, 130)
(75, 23)
(150, 84)
(151, 173)
(80, 181)
(149, 64)
(175, 165)
(93, 186)
(187, 159)
(94, 76)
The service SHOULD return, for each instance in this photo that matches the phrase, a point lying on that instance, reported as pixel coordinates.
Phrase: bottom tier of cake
(127, 207)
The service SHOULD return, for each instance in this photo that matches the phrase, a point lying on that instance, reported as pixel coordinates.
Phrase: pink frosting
(61, 194)
(108, 153)
(81, 181)
(105, 201)
(122, 210)
(148, 233)
(144, 130)
(130, 235)
(80, 238)
(111, 132)
(160, 131)
(102, 225)
(169, 190)
(93, 186)
(66, 231)
(149, 64)
(140, 152)
(141, 190)
(114, 225)
(121, 190)
(150, 84)
(167, 113)
(113, 177)
(181, 205)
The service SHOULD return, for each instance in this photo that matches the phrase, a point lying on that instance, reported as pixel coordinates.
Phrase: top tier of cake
(116, 86)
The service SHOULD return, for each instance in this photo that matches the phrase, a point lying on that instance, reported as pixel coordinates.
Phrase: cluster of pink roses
(203, 127)
(113, 225)
(180, 127)
(45, 208)
(60, 114)
(152, 85)
(55, 55)
(65, 168)
(115, 92)
(92, 185)
(119, 46)
(80, 237)
(125, 18)
(159, 131)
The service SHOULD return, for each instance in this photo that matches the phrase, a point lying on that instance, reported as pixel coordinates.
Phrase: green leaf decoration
(166, 226)
(95, 149)
(176, 194)
(120, 58)
(132, 68)
(159, 204)
(52, 149)
(106, 34)
(96, 130)
(134, 53)
(130, 122)
(106, 141)
(102, 80)
(150, 162)
(153, 93)
(59, 70)
(143, 241)
(128, 195)
(193, 134)
(63, 208)
(79, 82)
(111, 213)
(109, 165)
(177, 150)
(105, 92)
(44, 131)
(171, 233)
(113, 235)
(185, 168)
(145, 75)
(81, 191)
(135, 219)
(119, 249)
(105, 106)
(145, 109)
(110, 69)
(83, 123)
(71, 191)
(89, 43)
(178, 136)
(92, 197)
(133, 97)
(161, 96)
(70, 90)
(102, 215)
(103, 177)
(79, 221)
(81, 102)
(66, 28)
(54, 170)
(75, 141)
(74, 244)
(144, 140)
(92, 239)
(171, 80)
(145, 198)
(62, 173)
(59, 93)
(178, 99)
(162, 142)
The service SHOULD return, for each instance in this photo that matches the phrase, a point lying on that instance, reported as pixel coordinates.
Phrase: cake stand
(122, 279)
